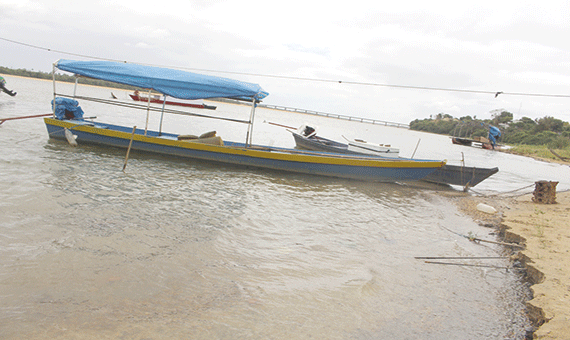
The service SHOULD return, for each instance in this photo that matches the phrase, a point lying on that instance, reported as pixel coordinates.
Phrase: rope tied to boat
(505, 192)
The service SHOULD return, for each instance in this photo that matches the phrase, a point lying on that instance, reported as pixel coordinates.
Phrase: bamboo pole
(2, 120)
(283, 126)
(129, 148)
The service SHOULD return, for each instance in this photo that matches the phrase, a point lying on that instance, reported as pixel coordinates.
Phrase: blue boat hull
(314, 163)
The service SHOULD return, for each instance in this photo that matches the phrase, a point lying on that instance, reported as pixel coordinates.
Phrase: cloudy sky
(330, 58)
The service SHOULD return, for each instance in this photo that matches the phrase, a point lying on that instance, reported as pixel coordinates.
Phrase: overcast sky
(509, 46)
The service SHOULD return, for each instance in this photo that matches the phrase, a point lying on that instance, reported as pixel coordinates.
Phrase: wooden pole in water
(129, 148)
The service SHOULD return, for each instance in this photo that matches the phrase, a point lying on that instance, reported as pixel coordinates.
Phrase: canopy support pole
(75, 88)
(161, 116)
(53, 77)
(249, 135)
(147, 112)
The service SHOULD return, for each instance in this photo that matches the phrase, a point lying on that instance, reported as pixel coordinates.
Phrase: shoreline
(543, 231)
(538, 158)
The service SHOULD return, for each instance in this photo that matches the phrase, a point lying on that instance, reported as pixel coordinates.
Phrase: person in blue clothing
(4, 89)
(494, 134)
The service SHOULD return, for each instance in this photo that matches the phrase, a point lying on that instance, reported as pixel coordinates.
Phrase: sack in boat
(208, 134)
(217, 140)
(185, 137)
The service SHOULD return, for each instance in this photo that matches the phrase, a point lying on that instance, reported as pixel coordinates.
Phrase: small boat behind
(381, 150)
(461, 141)
(466, 177)
(158, 99)
(306, 138)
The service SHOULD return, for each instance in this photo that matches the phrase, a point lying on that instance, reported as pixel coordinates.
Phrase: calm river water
(176, 249)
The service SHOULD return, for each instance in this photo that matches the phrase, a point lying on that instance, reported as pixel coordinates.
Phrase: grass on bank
(539, 151)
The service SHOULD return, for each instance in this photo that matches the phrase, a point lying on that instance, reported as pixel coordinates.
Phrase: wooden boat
(480, 142)
(461, 141)
(197, 104)
(307, 139)
(212, 148)
(447, 174)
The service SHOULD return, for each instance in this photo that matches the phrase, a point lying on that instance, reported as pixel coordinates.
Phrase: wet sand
(544, 231)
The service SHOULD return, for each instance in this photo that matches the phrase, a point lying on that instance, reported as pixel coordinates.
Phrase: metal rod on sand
(460, 257)
(467, 265)
(129, 149)
(475, 239)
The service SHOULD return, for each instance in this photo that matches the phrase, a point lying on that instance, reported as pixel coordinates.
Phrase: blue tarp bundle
(173, 83)
(66, 108)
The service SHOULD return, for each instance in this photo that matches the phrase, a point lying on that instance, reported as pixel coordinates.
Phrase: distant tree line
(547, 130)
(62, 77)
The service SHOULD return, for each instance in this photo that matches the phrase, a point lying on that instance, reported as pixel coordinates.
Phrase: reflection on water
(184, 249)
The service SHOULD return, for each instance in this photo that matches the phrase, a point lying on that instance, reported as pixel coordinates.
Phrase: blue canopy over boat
(174, 83)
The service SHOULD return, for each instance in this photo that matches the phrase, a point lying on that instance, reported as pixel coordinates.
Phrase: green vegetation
(548, 131)
(62, 77)
(539, 151)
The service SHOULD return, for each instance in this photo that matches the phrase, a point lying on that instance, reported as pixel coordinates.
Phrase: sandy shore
(544, 231)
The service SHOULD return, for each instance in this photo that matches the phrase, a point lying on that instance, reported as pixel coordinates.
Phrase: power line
(411, 87)
(52, 50)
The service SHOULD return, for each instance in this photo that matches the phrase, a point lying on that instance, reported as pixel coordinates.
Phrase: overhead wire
(56, 51)
(412, 87)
